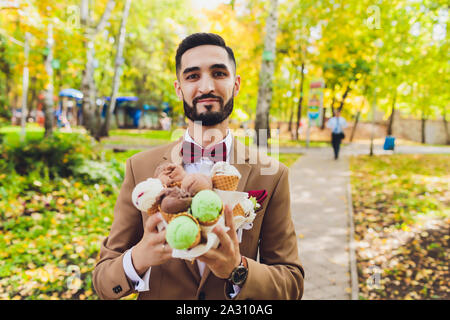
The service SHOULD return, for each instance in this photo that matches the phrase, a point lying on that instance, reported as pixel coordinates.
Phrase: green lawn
(402, 222)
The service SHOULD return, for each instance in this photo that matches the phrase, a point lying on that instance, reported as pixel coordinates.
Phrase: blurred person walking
(337, 125)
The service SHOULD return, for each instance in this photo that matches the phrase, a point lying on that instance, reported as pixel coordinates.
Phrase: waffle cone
(238, 210)
(210, 223)
(153, 209)
(228, 183)
(175, 184)
(198, 238)
(169, 216)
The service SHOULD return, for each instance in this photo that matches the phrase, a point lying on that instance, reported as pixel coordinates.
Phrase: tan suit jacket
(277, 275)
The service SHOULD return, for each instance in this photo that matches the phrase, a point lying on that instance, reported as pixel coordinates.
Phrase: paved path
(320, 213)
(364, 148)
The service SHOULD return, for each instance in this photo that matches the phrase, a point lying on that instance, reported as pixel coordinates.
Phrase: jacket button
(201, 296)
(117, 289)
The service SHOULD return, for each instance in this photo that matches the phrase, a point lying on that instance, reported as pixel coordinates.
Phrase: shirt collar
(228, 141)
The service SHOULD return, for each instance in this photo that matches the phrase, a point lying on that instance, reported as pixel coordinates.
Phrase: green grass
(282, 142)
(148, 134)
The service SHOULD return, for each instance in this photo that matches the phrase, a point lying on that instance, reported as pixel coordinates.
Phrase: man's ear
(176, 84)
(237, 85)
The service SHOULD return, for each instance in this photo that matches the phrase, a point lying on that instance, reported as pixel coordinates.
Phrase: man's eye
(219, 74)
(192, 76)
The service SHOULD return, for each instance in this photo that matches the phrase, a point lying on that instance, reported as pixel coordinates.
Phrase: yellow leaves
(67, 183)
(79, 249)
(46, 274)
(406, 228)
(58, 253)
(37, 183)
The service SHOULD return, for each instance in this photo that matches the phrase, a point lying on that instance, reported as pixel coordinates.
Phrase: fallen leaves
(402, 226)
(44, 233)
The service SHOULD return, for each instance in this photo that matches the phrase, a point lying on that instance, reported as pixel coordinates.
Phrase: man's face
(207, 84)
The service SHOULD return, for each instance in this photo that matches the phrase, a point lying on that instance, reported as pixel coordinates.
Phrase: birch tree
(117, 71)
(48, 104)
(265, 76)
(89, 109)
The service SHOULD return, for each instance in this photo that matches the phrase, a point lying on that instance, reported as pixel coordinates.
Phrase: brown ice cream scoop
(170, 173)
(174, 200)
(195, 182)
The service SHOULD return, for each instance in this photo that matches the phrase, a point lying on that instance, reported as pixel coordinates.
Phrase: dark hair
(199, 39)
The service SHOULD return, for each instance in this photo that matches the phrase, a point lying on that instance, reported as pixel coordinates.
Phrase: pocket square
(259, 195)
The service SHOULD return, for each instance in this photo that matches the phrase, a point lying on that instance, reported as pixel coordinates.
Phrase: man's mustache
(207, 96)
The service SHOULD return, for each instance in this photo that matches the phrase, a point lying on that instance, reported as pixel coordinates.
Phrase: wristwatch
(239, 274)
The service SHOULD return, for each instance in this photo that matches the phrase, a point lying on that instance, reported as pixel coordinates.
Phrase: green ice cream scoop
(206, 205)
(182, 232)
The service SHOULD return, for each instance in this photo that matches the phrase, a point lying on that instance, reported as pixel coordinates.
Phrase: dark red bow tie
(192, 153)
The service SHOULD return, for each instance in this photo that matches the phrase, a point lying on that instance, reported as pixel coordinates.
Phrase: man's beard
(209, 118)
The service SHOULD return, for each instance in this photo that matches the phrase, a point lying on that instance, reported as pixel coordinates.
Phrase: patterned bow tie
(192, 153)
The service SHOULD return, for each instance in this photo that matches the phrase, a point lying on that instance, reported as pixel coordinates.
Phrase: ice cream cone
(153, 209)
(212, 222)
(169, 216)
(222, 182)
(198, 238)
(175, 184)
(238, 210)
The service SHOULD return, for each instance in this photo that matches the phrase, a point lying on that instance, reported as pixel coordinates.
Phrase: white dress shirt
(336, 125)
(204, 165)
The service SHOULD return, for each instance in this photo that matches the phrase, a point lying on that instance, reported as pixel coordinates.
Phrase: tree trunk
(265, 77)
(25, 79)
(300, 101)
(354, 125)
(48, 104)
(104, 132)
(32, 100)
(332, 104)
(89, 108)
(447, 135)
(423, 126)
(324, 113)
(291, 117)
(391, 117)
(347, 90)
(88, 87)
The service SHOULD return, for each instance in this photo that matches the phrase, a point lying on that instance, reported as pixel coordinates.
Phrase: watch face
(240, 275)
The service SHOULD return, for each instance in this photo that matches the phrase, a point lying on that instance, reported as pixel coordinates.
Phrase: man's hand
(152, 250)
(226, 257)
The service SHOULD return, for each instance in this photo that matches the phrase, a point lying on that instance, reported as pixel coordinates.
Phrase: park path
(319, 203)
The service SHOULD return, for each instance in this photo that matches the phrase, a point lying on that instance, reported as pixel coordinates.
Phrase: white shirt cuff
(139, 284)
(236, 289)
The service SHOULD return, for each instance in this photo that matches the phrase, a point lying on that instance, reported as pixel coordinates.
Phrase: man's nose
(206, 85)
